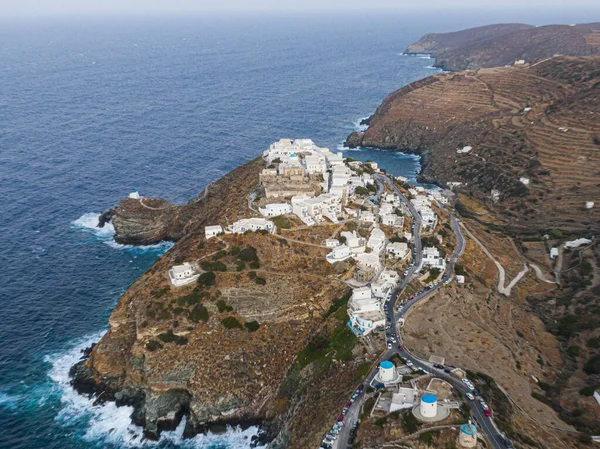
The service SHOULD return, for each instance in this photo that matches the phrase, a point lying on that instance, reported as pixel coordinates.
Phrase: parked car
(389, 345)
(470, 397)
(401, 347)
(438, 366)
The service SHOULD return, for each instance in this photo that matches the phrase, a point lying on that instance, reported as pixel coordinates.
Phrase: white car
(470, 396)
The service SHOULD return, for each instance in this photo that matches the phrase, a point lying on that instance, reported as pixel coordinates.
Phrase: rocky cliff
(524, 140)
(503, 44)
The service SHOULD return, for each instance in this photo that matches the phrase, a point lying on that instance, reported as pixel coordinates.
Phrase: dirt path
(150, 207)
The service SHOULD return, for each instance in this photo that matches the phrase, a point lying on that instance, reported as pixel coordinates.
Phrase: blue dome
(469, 429)
(386, 364)
(429, 398)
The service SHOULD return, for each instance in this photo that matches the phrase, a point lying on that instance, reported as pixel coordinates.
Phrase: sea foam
(89, 222)
(108, 426)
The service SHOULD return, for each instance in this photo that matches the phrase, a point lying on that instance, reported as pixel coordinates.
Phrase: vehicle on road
(438, 366)
(401, 347)
(470, 397)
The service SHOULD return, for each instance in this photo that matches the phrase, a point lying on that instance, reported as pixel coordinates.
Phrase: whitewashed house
(390, 276)
(180, 275)
(332, 243)
(431, 257)
(338, 254)
(301, 209)
(397, 250)
(392, 220)
(367, 217)
(275, 209)
(354, 242)
(376, 240)
(364, 311)
(212, 231)
(251, 224)
(368, 260)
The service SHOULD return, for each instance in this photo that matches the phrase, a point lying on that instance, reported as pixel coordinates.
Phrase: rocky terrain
(260, 339)
(147, 221)
(503, 44)
(540, 122)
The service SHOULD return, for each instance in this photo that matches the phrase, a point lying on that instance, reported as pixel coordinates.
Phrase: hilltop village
(380, 223)
(315, 186)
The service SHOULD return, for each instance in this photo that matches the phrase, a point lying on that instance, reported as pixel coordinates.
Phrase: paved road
(485, 424)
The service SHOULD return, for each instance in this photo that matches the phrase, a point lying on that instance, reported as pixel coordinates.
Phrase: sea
(91, 108)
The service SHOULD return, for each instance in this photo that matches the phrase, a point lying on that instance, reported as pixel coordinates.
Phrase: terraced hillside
(503, 44)
(540, 122)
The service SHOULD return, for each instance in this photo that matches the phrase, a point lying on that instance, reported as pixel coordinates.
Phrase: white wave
(160, 246)
(90, 221)
(111, 426)
(358, 127)
(9, 401)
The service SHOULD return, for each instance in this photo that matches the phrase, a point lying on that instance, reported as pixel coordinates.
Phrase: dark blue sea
(90, 109)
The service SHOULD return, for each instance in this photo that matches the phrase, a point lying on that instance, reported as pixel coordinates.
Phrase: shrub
(240, 266)
(199, 313)
(207, 279)
(573, 351)
(255, 265)
(219, 266)
(260, 281)
(153, 345)
(164, 315)
(223, 307)
(594, 342)
(231, 323)
(170, 337)
(159, 293)
(588, 391)
(248, 254)
(201, 245)
(252, 326)
(234, 251)
(593, 365)
(426, 437)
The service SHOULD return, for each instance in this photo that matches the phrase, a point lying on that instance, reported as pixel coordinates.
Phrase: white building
(354, 242)
(332, 243)
(392, 220)
(589, 204)
(460, 279)
(364, 311)
(301, 209)
(597, 395)
(428, 407)
(368, 260)
(275, 209)
(553, 253)
(397, 250)
(212, 231)
(376, 240)
(338, 254)
(181, 275)
(404, 398)
(431, 257)
(577, 243)
(367, 217)
(251, 224)
(390, 276)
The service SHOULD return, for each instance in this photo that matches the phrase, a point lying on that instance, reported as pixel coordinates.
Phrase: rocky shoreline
(176, 402)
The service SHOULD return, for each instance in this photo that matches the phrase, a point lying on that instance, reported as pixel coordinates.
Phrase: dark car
(438, 366)
(447, 371)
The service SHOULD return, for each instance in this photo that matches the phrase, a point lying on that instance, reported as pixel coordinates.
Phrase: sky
(93, 7)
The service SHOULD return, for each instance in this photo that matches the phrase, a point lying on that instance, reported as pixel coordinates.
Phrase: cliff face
(147, 221)
(223, 350)
(540, 123)
(503, 44)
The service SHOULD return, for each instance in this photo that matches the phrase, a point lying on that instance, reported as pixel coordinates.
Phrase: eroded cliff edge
(523, 140)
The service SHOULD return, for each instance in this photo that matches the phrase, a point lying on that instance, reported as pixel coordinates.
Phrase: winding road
(485, 424)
